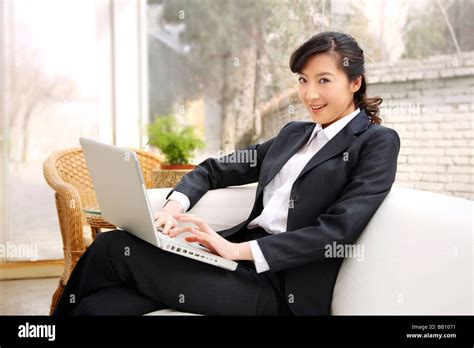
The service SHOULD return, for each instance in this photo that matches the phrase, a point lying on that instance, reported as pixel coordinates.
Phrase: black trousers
(120, 274)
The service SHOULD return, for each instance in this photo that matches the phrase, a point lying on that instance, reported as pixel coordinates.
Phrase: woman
(319, 183)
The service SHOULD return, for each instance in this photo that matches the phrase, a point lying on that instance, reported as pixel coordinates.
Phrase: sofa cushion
(417, 258)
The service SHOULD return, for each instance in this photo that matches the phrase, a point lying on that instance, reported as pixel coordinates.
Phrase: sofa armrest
(414, 257)
(221, 208)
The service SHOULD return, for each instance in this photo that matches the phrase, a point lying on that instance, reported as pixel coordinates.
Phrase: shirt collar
(331, 130)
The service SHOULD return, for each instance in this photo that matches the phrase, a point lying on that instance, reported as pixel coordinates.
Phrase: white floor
(27, 296)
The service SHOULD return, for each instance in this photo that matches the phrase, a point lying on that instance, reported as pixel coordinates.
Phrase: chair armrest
(69, 209)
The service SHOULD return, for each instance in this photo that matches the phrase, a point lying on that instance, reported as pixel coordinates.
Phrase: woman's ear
(355, 85)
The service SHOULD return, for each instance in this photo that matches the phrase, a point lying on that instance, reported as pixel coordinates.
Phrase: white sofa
(418, 252)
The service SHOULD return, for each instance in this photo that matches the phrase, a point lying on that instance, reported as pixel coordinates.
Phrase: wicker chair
(66, 172)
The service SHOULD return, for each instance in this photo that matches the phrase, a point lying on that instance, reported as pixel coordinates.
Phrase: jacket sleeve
(345, 219)
(215, 173)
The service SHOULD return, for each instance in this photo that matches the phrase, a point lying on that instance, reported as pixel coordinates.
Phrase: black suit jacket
(334, 197)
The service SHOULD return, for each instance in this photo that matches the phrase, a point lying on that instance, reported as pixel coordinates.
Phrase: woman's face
(321, 82)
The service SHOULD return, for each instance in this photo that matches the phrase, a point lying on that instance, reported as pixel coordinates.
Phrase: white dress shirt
(276, 195)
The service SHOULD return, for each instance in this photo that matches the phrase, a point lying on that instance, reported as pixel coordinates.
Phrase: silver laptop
(123, 201)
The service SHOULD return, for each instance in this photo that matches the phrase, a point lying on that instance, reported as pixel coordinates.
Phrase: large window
(72, 68)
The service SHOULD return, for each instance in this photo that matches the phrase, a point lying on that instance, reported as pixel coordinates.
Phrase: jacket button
(295, 197)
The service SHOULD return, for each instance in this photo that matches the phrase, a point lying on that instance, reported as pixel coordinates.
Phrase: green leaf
(176, 143)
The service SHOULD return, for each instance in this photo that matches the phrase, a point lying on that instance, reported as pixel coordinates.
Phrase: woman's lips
(314, 110)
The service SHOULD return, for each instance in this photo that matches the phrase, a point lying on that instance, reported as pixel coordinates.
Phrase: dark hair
(350, 58)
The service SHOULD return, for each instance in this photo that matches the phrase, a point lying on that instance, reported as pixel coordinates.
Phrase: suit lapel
(292, 145)
(337, 144)
(341, 141)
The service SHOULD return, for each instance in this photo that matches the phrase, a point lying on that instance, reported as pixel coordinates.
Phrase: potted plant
(175, 142)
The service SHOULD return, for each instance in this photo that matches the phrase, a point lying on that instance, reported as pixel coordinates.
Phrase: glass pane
(53, 101)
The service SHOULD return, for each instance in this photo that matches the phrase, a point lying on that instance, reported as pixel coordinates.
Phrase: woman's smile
(317, 108)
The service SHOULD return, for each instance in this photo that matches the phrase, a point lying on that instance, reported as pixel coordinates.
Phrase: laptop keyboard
(176, 240)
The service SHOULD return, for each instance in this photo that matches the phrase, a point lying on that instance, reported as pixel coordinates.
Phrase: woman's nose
(312, 93)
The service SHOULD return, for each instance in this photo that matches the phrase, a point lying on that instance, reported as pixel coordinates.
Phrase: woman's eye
(301, 80)
(324, 79)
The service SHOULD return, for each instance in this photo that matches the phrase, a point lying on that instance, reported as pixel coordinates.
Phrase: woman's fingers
(178, 230)
(169, 224)
(203, 239)
(200, 222)
(166, 220)
(194, 238)
(197, 236)
(189, 217)
(159, 221)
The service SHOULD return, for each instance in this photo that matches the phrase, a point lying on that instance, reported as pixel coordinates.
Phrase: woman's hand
(167, 217)
(206, 236)
(165, 220)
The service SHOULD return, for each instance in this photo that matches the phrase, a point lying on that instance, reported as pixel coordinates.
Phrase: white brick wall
(430, 103)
